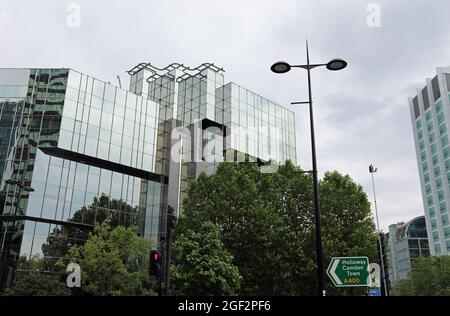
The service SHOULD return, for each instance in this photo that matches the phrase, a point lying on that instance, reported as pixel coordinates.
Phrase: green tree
(429, 276)
(267, 223)
(38, 284)
(347, 225)
(203, 266)
(112, 262)
(231, 198)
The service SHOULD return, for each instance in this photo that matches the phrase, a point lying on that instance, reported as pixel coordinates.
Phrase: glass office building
(406, 243)
(430, 118)
(252, 127)
(76, 151)
(73, 151)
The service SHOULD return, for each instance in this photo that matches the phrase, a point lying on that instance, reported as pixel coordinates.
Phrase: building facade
(76, 151)
(430, 117)
(406, 242)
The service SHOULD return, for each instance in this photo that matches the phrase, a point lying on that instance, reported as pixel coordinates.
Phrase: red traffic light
(155, 263)
(154, 256)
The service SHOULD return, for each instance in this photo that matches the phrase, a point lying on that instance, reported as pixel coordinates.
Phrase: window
(74, 79)
(447, 232)
(447, 80)
(444, 140)
(70, 108)
(98, 88)
(434, 225)
(420, 134)
(444, 220)
(446, 153)
(438, 183)
(110, 92)
(430, 199)
(433, 149)
(426, 100)
(418, 124)
(435, 236)
(106, 120)
(94, 117)
(437, 248)
(428, 188)
(441, 117)
(439, 107)
(431, 210)
(413, 243)
(437, 171)
(435, 86)
(442, 129)
(426, 177)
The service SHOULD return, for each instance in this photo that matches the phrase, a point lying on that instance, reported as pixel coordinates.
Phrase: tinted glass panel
(416, 107)
(426, 100)
(436, 91)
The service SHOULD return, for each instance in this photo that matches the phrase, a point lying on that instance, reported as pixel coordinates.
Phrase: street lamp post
(4, 255)
(334, 65)
(372, 170)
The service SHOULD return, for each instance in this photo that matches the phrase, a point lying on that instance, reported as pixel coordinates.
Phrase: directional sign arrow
(334, 276)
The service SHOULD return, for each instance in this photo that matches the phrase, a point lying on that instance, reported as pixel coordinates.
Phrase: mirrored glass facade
(252, 127)
(74, 151)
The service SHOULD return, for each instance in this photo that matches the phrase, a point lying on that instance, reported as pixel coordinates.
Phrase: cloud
(361, 113)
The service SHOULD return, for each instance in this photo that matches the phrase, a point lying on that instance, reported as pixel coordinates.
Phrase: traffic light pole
(167, 263)
(170, 223)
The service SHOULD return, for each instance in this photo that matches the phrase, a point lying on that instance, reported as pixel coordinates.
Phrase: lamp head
(280, 67)
(336, 64)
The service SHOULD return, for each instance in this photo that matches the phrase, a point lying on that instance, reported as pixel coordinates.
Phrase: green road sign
(349, 271)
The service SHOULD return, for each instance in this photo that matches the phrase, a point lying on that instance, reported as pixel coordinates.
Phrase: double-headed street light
(281, 67)
(333, 65)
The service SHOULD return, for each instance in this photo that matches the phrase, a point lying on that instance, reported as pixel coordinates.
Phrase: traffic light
(155, 263)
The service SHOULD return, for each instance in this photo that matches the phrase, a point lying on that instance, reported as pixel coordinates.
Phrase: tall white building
(430, 117)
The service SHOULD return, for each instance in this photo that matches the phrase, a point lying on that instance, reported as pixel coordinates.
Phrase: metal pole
(383, 272)
(167, 261)
(320, 271)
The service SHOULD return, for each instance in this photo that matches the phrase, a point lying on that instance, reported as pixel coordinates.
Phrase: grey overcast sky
(362, 114)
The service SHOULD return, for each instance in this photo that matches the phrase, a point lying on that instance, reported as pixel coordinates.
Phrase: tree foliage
(429, 276)
(203, 266)
(266, 222)
(112, 262)
(38, 284)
